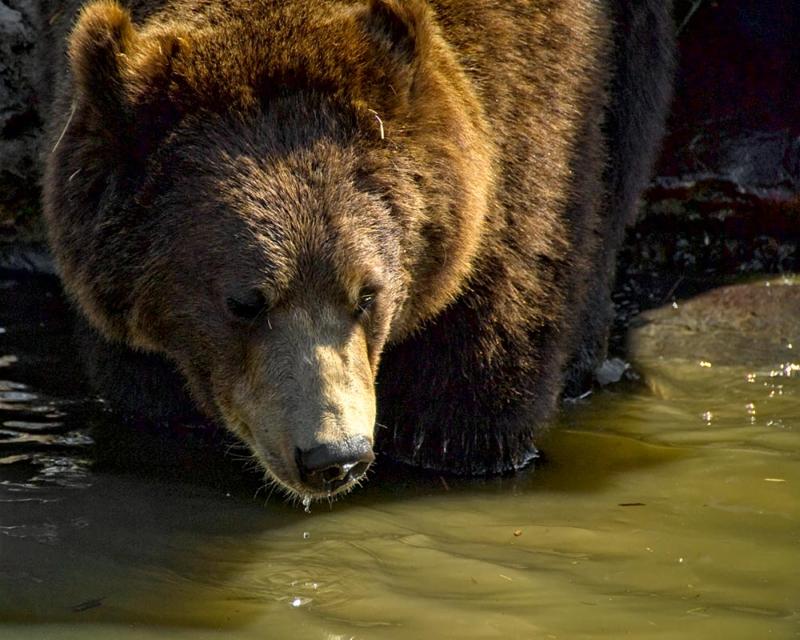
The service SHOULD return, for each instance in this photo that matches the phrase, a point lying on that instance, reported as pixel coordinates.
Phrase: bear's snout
(331, 466)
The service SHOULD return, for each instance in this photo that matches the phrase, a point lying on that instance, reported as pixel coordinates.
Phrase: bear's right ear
(120, 74)
(98, 47)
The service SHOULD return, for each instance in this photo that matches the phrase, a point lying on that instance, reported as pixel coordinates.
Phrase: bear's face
(269, 212)
(276, 292)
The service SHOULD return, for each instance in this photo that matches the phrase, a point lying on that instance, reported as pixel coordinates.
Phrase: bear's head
(268, 199)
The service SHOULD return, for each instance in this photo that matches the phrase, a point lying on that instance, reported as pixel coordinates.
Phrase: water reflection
(646, 519)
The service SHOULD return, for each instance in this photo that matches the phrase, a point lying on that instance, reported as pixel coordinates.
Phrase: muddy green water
(665, 509)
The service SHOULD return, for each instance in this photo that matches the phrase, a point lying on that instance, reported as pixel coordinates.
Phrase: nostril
(332, 465)
(335, 472)
(359, 469)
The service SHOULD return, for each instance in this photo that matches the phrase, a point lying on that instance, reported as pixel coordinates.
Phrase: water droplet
(307, 504)
(299, 602)
(707, 417)
(306, 534)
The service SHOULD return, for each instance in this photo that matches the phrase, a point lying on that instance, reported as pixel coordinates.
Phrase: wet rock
(611, 371)
(755, 324)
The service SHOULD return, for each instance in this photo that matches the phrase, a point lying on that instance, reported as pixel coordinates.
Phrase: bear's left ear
(122, 75)
(403, 26)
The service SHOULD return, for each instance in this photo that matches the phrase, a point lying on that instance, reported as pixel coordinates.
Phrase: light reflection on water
(649, 519)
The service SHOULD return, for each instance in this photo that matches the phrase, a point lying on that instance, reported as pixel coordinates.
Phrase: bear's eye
(247, 305)
(366, 298)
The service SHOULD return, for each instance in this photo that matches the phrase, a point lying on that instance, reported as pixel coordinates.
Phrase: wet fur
(506, 142)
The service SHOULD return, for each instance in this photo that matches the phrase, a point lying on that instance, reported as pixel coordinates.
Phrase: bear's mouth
(301, 477)
(328, 484)
(330, 477)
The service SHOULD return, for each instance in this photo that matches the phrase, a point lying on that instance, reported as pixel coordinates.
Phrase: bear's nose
(330, 466)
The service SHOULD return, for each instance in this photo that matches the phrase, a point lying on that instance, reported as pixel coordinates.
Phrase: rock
(763, 164)
(746, 325)
(610, 371)
(26, 257)
(20, 120)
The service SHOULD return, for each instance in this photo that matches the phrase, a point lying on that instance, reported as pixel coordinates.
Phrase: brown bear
(340, 227)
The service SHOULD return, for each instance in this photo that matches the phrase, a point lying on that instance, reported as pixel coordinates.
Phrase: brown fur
(450, 156)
